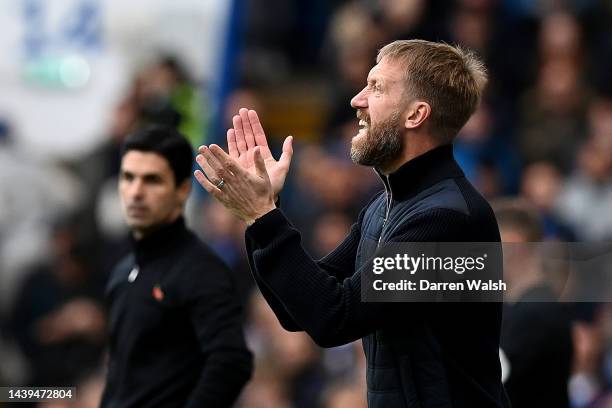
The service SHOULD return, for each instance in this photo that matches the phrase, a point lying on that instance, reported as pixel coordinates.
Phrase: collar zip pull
(133, 274)
(389, 200)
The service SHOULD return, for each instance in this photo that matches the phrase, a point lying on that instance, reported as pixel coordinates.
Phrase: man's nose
(136, 189)
(360, 101)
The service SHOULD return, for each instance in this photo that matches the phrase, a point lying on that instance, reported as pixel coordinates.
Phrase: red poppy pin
(158, 293)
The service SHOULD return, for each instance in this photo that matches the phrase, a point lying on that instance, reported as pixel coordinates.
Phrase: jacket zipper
(389, 204)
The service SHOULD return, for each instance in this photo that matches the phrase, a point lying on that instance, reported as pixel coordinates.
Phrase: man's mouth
(137, 209)
(364, 120)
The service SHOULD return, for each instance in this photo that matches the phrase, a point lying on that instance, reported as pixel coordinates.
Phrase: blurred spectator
(561, 38)
(402, 19)
(553, 115)
(587, 386)
(288, 369)
(168, 96)
(600, 121)
(471, 25)
(540, 186)
(57, 317)
(477, 146)
(586, 196)
(31, 196)
(536, 333)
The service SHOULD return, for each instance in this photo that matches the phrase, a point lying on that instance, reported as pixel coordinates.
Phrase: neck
(416, 146)
(140, 233)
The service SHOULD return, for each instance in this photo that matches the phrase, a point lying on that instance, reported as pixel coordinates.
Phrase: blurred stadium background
(78, 75)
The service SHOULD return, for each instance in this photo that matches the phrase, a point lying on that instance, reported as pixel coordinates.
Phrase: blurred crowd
(543, 133)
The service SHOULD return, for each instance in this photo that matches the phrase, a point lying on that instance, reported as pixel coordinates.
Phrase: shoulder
(198, 264)
(451, 210)
(481, 220)
(454, 197)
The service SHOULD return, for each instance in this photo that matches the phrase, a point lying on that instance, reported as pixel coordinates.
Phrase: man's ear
(417, 113)
(184, 189)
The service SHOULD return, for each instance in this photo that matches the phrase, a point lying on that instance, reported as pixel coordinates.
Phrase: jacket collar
(422, 172)
(158, 242)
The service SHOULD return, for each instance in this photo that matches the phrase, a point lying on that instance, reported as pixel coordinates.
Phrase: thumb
(287, 154)
(260, 166)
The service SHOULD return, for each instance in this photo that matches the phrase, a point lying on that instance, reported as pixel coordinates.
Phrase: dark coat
(418, 354)
(176, 335)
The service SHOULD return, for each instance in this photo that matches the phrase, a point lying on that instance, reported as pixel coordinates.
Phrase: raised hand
(247, 194)
(245, 136)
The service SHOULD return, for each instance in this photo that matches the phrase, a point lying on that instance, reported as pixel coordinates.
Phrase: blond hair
(450, 79)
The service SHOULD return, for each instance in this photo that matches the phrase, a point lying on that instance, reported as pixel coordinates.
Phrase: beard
(381, 144)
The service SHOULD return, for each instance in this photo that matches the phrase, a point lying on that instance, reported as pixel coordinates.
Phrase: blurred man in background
(176, 335)
(537, 329)
(417, 97)
(58, 318)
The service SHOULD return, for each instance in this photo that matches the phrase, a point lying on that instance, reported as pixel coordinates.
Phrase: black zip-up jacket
(419, 355)
(176, 335)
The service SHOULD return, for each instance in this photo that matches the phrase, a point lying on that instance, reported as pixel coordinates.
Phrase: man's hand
(247, 194)
(248, 133)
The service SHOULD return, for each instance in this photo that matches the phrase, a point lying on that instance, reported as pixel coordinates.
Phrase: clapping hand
(248, 179)
(248, 133)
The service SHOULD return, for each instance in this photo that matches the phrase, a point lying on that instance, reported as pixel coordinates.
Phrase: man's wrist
(251, 221)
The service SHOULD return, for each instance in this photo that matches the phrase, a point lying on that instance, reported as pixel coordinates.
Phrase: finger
(240, 142)
(260, 165)
(232, 146)
(204, 182)
(285, 159)
(247, 129)
(221, 172)
(207, 171)
(258, 131)
(213, 190)
(225, 160)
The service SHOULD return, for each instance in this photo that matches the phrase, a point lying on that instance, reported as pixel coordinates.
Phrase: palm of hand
(242, 139)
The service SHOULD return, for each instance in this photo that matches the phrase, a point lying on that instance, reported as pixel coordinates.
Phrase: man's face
(149, 195)
(379, 108)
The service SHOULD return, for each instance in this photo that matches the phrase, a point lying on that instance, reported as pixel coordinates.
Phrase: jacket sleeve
(217, 318)
(327, 308)
(338, 264)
